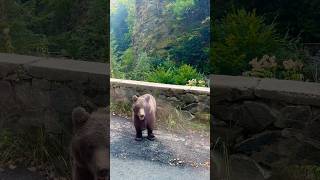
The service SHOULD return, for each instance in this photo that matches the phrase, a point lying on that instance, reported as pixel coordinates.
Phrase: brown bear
(89, 145)
(144, 115)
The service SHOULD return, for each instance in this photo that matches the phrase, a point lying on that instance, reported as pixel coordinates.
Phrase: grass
(299, 172)
(121, 108)
(168, 118)
(46, 152)
(223, 163)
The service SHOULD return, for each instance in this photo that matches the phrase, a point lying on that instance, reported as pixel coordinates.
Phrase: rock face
(151, 29)
(41, 92)
(268, 124)
(156, 26)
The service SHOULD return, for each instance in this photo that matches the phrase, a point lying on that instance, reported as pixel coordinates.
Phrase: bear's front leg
(138, 135)
(151, 136)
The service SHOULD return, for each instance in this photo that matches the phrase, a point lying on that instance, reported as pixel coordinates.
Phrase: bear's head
(89, 143)
(138, 107)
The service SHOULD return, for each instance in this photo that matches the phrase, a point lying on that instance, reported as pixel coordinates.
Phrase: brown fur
(89, 148)
(147, 104)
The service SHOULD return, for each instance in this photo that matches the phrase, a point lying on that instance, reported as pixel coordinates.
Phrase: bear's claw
(151, 138)
(138, 139)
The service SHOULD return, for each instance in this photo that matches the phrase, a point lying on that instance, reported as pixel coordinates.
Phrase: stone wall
(194, 102)
(41, 92)
(266, 124)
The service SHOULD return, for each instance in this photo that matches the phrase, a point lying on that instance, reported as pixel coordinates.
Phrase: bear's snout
(141, 117)
(141, 114)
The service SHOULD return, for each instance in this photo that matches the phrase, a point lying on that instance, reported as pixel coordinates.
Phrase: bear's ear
(79, 117)
(134, 98)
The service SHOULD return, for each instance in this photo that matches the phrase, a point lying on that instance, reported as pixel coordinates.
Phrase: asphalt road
(169, 157)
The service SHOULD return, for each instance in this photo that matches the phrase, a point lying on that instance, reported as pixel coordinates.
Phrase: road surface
(169, 157)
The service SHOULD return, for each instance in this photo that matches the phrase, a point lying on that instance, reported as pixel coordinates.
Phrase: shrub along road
(171, 156)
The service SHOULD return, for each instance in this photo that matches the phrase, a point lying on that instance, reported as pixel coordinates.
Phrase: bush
(127, 60)
(115, 69)
(162, 75)
(185, 73)
(292, 70)
(195, 82)
(153, 69)
(242, 36)
(267, 67)
(142, 69)
(174, 75)
(264, 68)
(115, 65)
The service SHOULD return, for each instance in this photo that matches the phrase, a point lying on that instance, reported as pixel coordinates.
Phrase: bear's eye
(136, 109)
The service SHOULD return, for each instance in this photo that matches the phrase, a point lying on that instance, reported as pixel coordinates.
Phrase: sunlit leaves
(179, 7)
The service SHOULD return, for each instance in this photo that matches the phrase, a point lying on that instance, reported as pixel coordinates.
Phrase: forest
(268, 39)
(74, 29)
(160, 41)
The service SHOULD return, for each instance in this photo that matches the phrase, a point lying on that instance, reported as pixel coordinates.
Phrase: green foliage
(63, 28)
(115, 66)
(179, 7)
(120, 28)
(297, 18)
(175, 75)
(192, 48)
(15, 34)
(162, 75)
(127, 60)
(142, 68)
(185, 73)
(240, 37)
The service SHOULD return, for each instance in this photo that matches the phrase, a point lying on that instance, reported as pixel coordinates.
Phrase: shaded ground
(171, 156)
